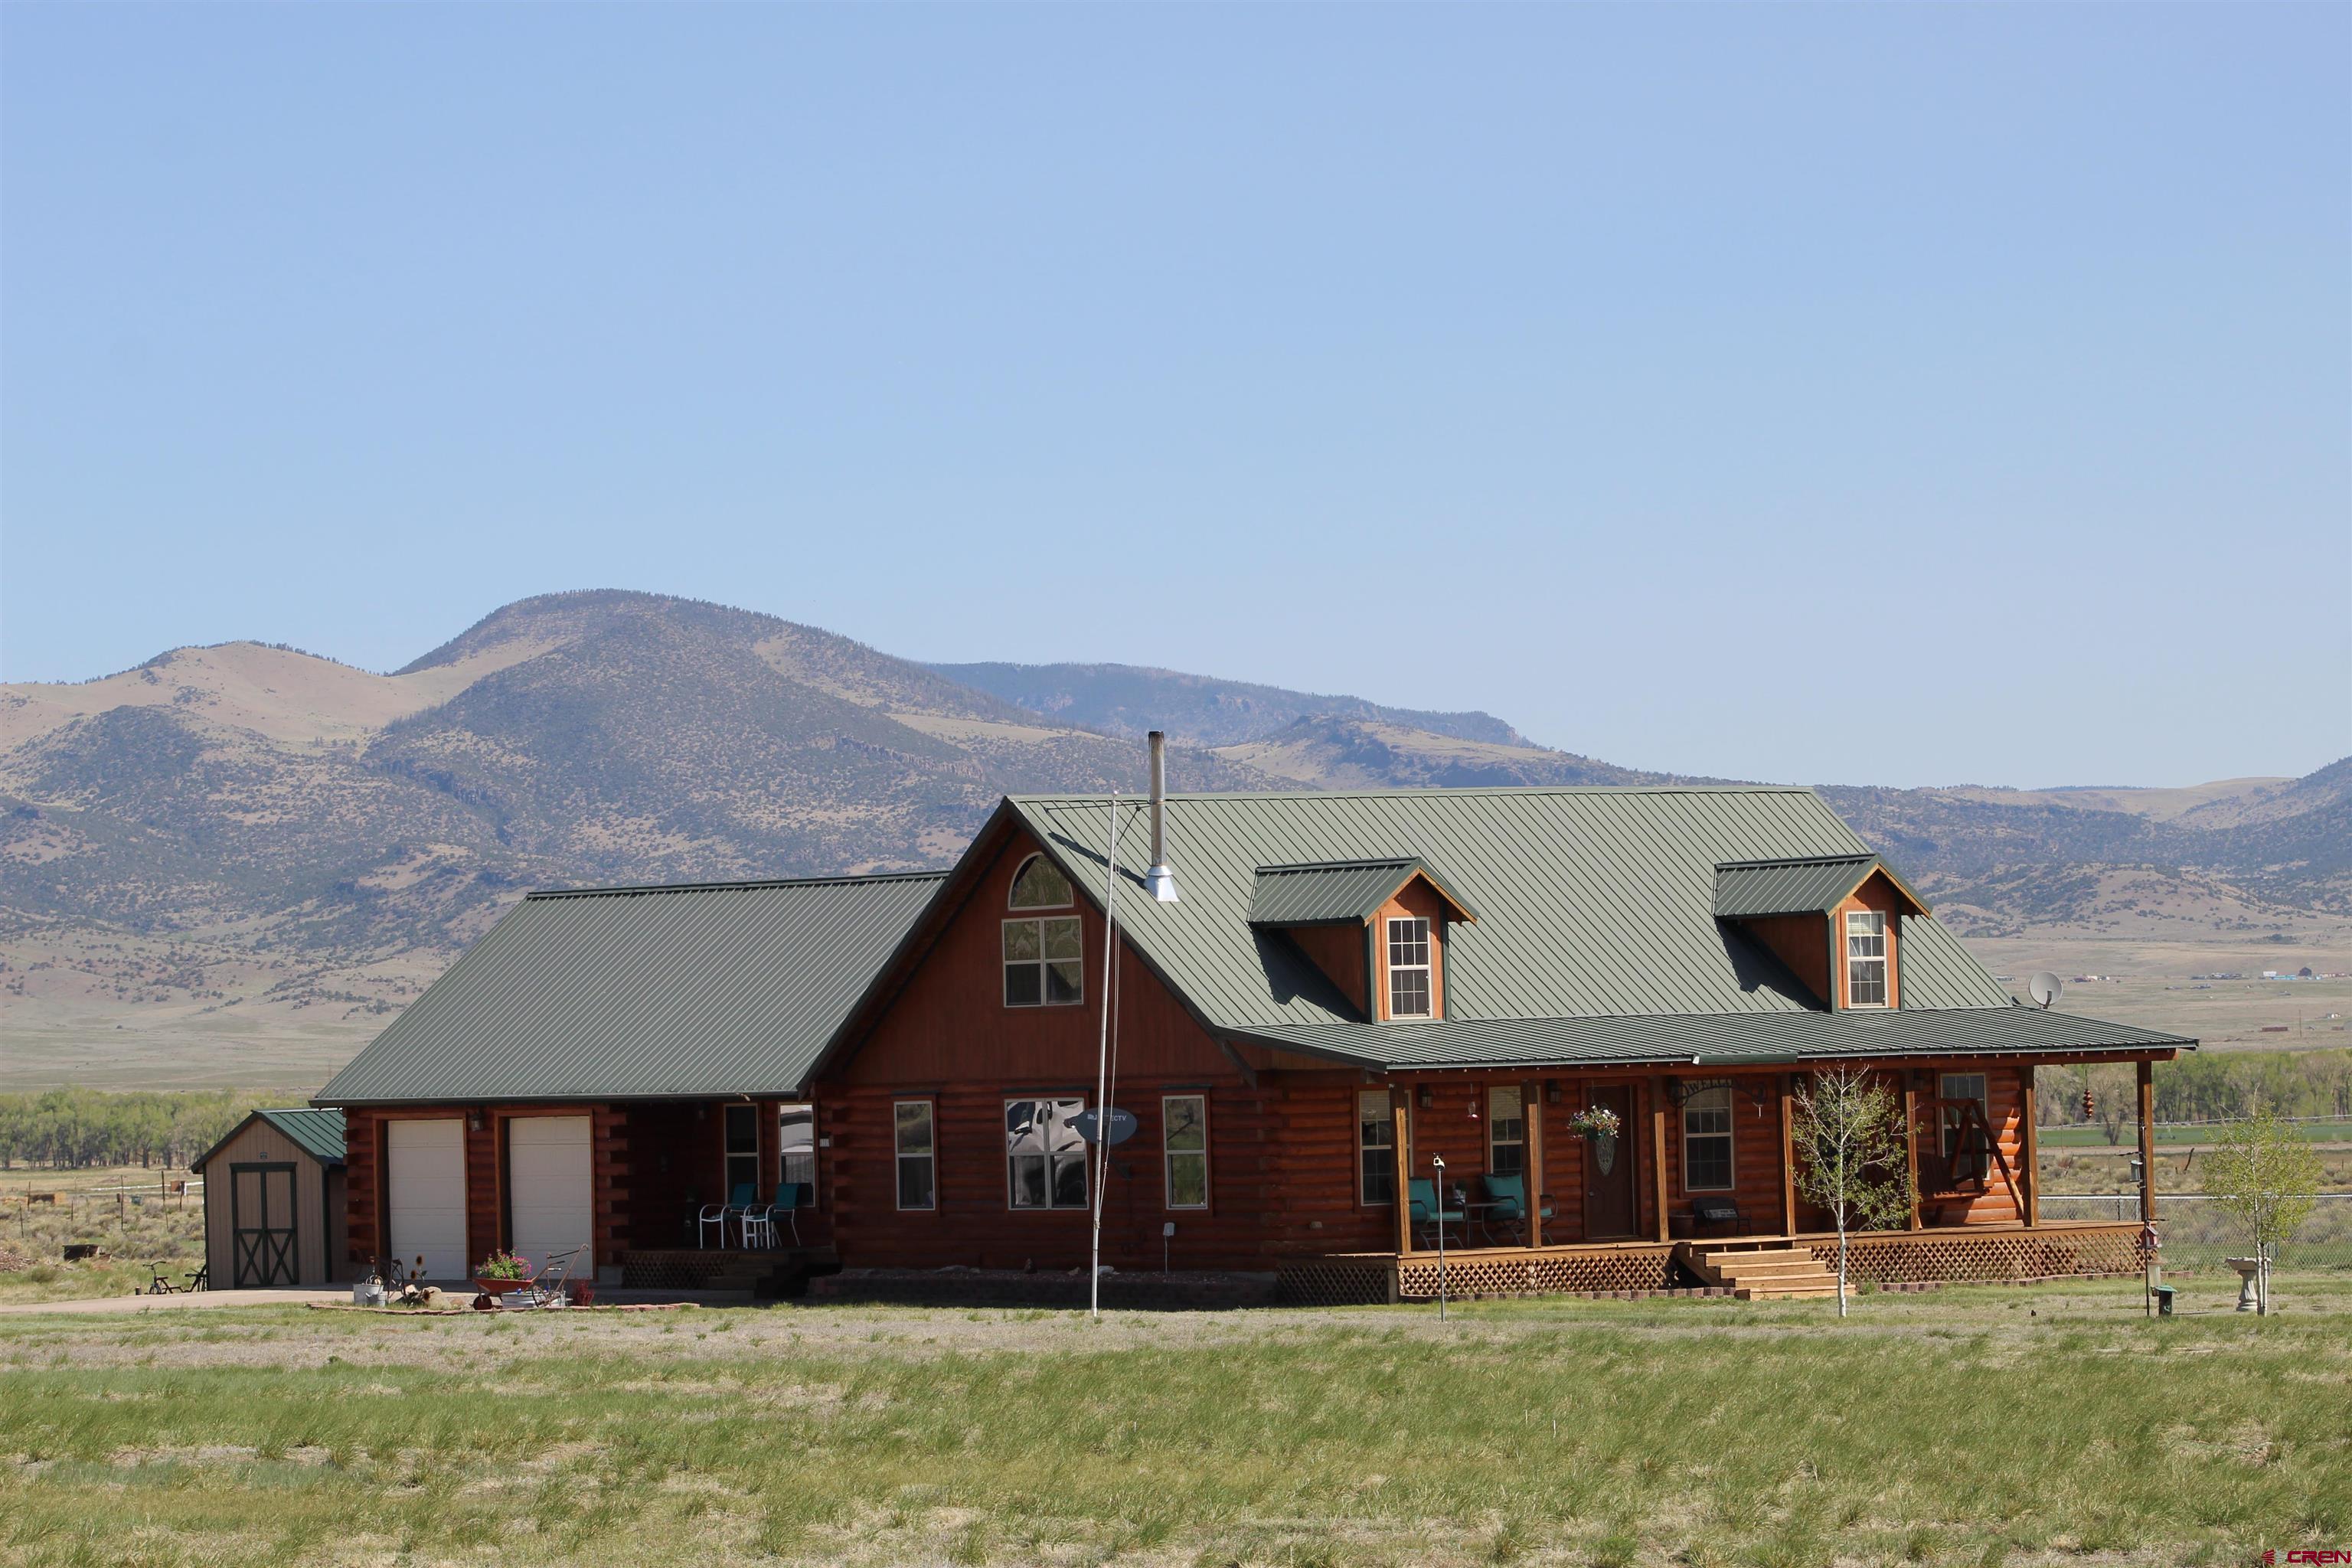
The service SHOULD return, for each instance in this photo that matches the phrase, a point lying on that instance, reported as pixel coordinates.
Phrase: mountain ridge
(243, 830)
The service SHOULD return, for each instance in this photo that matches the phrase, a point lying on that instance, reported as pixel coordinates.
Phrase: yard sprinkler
(1438, 1161)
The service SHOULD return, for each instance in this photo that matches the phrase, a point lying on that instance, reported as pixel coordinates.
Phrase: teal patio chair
(1421, 1192)
(739, 1203)
(1509, 1196)
(760, 1222)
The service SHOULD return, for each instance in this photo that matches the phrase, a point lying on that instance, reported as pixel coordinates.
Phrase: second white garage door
(547, 1188)
(428, 1196)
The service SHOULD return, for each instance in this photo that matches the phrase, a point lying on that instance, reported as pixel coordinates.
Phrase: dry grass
(1970, 1426)
(133, 1228)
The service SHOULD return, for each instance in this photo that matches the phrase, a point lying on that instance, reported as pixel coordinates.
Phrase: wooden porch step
(1763, 1274)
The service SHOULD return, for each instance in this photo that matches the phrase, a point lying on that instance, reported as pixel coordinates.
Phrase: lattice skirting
(1953, 1256)
(1537, 1273)
(1335, 1283)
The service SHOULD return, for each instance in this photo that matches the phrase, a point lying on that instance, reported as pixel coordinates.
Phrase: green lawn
(1966, 1426)
(2091, 1136)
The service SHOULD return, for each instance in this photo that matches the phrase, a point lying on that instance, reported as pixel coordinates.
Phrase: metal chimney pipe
(1160, 881)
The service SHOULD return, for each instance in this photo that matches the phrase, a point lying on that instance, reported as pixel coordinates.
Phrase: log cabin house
(1343, 989)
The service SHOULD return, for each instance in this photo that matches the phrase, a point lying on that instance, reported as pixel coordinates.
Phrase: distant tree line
(2202, 1086)
(67, 1129)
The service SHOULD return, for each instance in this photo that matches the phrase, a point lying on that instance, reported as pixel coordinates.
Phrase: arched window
(1040, 885)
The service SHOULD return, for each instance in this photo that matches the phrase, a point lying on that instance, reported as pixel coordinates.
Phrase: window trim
(1085, 1163)
(1886, 959)
(1021, 870)
(1944, 1140)
(1493, 1121)
(899, 1157)
(1729, 1135)
(1040, 962)
(1396, 1170)
(1168, 1157)
(1426, 969)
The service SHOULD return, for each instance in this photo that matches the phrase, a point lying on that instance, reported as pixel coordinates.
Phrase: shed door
(548, 1208)
(261, 1225)
(427, 1183)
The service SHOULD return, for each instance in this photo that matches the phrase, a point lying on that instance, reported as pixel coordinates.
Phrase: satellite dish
(1122, 1124)
(2043, 989)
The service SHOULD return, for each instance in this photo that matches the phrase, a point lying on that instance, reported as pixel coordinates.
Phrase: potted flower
(1596, 1123)
(502, 1272)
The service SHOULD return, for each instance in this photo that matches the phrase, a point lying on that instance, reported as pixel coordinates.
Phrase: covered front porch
(1695, 1185)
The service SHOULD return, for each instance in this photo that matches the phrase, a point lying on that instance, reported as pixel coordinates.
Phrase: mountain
(248, 844)
(1329, 751)
(1195, 709)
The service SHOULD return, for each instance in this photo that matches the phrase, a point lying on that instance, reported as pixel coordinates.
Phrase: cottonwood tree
(2266, 1175)
(1847, 1135)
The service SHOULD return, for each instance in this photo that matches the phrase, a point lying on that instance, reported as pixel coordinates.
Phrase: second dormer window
(1409, 986)
(1865, 959)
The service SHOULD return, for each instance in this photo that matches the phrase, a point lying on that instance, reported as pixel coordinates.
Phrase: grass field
(1969, 1426)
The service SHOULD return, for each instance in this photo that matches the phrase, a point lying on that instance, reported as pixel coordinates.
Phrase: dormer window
(1865, 958)
(1409, 986)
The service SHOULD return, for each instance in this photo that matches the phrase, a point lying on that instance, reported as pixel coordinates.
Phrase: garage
(548, 1206)
(427, 1184)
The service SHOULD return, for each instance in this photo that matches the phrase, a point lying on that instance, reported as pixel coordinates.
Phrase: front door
(261, 1223)
(1609, 1169)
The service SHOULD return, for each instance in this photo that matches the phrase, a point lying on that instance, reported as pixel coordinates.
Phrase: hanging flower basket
(1596, 1123)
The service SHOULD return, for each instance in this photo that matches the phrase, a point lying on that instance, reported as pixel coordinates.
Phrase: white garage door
(547, 1188)
(428, 1196)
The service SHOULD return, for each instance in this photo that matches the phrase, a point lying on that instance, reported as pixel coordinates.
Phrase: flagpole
(1102, 1059)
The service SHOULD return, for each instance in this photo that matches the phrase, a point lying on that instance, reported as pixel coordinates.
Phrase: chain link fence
(2198, 1234)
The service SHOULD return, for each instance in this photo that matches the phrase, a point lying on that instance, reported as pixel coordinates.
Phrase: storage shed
(274, 1209)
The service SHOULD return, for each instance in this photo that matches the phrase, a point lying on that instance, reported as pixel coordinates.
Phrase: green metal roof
(317, 1133)
(1598, 925)
(1814, 884)
(643, 992)
(1592, 902)
(1337, 892)
(1712, 1039)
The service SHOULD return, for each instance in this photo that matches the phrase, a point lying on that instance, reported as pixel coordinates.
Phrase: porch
(1976, 1254)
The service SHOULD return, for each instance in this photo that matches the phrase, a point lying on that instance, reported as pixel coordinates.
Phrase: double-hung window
(1376, 1145)
(1506, 1131)
(1184, 1147)
(1707, 1140)
(1865, 959)
(918, 1154)
(743, 1151)
(1044, 1158)
(1409, 983)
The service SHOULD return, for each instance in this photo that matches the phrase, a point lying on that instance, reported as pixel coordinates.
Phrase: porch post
(1911, 1146)
(1788, 1154)
(2147, 1142)
(1658, 1150)
(1401, 1108)
(1531, 1108)
(2030, 1154)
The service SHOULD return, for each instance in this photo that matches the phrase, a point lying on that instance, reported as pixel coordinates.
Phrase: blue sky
(1898, 394)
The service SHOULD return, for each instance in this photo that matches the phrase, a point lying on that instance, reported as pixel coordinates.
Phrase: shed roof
(317, 1133)
(1813, 884)
(1339, 892)
(643, 992)
(1712, 1039)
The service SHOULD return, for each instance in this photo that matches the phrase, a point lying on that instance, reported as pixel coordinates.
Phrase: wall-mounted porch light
(1428, 1097)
